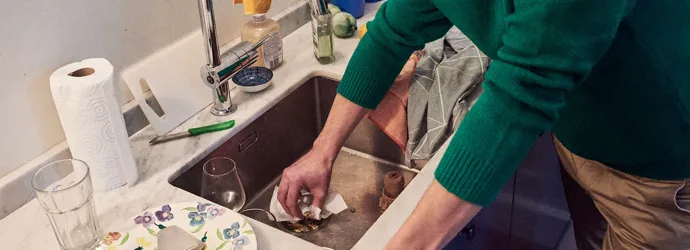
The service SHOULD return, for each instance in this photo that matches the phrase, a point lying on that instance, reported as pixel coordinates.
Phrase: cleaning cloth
(254, 6)
(333, 204)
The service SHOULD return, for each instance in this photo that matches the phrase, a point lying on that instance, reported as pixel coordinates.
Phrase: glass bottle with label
(322, 32)
(271, 52)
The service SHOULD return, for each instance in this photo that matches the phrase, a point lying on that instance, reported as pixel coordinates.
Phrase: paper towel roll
(91, 117)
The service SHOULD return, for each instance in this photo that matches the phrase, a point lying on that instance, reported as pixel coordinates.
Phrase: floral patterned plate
(210, 223)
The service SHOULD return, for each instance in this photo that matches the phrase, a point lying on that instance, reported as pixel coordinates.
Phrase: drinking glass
(221, 183)
(63, 188)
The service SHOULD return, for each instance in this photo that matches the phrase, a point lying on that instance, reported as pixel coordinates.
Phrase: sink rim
(370, 212)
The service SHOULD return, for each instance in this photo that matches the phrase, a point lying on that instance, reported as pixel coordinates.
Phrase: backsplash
(15, 187)
(39, 36)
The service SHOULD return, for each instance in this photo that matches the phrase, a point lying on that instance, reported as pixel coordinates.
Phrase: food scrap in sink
(304, 226)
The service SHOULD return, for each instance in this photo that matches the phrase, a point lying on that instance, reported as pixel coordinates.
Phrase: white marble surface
(15, 188)
(28, 227)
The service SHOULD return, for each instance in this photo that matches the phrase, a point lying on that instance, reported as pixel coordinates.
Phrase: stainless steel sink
(284, 133)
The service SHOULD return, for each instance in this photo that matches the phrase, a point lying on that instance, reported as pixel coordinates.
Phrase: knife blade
(193, 132)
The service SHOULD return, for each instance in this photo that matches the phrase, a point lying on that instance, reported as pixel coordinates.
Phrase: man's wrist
(327, 149)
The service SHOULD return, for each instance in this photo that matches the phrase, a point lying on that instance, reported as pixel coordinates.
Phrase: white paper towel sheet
(84, 95)
(333, 204)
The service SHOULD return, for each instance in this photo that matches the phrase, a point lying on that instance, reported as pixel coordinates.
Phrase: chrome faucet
(220, 67)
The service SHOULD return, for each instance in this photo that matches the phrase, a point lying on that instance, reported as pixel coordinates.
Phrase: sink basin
(284, 133)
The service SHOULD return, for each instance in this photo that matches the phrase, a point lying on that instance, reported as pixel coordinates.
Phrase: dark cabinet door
(491, 225)
(529, 213)
(540, 212)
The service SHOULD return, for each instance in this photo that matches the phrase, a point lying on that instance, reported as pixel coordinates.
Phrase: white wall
(39, 36)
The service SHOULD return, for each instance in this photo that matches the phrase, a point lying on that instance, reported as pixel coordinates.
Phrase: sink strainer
(307, 225)
(303, 226)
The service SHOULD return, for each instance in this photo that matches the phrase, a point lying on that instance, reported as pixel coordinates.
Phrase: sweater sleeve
(400, 27)
(549, 46)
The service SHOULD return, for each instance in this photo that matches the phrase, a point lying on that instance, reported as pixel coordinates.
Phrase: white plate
(218, 226)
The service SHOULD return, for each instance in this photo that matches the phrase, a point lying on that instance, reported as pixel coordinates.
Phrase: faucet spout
(208, 28)
(220, 67)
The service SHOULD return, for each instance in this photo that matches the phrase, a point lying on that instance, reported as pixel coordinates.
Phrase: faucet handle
(240, 64)
(208, 76)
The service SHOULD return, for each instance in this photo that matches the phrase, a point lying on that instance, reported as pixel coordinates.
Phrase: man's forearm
(342, 120)
(438, 217)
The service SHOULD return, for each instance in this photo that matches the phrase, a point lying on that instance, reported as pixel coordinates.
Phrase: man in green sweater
(610, 78)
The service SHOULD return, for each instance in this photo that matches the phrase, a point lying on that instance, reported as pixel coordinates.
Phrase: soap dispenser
(256, 29)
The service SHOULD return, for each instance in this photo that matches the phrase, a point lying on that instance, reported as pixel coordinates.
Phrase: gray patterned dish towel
(452, 67)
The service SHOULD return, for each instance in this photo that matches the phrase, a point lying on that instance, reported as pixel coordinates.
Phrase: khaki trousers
(613, 210)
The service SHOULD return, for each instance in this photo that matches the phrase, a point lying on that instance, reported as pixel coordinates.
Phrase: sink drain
(303, 226)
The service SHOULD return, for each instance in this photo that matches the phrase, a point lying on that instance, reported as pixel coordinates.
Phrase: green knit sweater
(611, 78)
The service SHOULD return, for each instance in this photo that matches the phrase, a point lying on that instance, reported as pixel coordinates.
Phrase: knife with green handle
(194, 132)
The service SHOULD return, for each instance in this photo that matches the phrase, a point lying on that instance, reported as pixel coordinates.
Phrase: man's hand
(438, 217)
(311, 172)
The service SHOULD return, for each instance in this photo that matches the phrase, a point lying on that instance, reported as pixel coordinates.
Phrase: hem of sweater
(663, 168)
(470, 177)
(357, 86)
(370, 73)
(674, 169)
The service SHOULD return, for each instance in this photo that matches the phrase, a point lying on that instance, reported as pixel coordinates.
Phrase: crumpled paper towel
(333, 204)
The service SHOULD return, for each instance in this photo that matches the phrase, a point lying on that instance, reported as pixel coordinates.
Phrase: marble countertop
(28, 227)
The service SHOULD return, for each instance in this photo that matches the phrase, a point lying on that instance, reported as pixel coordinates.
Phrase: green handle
(212, 128)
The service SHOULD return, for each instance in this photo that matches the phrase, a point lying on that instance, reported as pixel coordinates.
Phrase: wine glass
(221, 183)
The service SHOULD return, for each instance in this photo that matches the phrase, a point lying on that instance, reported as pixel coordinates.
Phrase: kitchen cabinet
(529, 213)
(540, 212)
(491, 225)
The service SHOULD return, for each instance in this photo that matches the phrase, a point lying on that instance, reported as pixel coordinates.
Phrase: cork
(393, 185)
